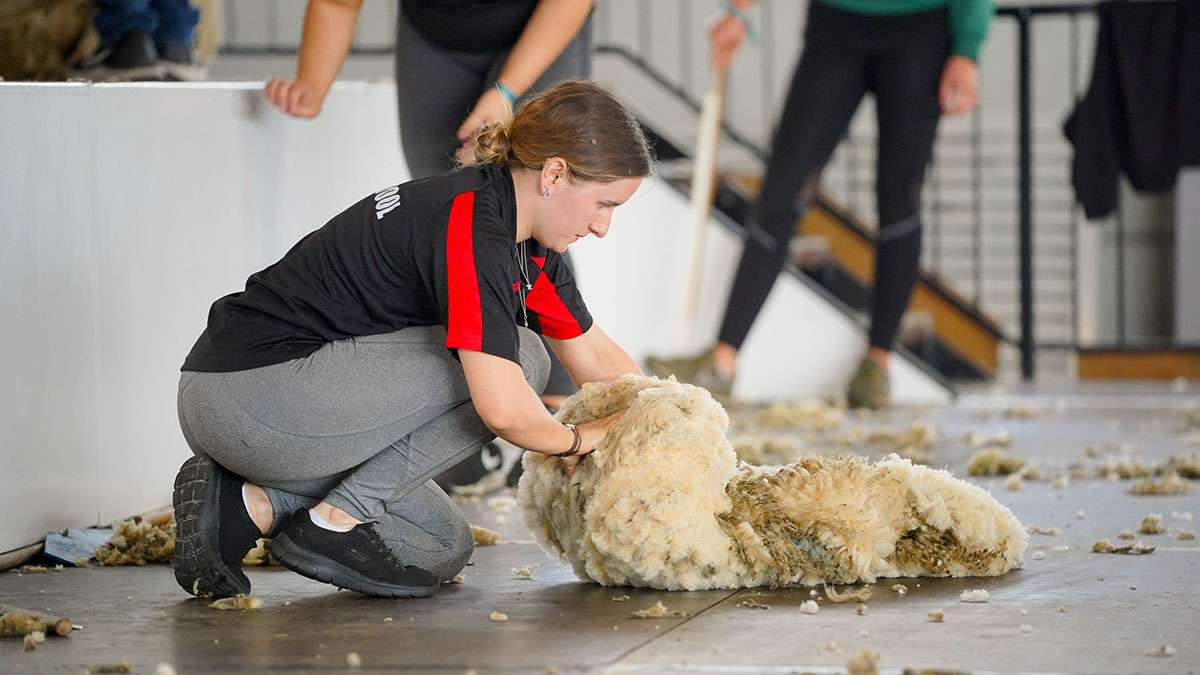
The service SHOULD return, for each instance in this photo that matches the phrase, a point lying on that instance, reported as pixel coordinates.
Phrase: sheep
(664, 503)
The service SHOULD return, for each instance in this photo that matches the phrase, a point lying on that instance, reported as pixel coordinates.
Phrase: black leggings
(899, 59)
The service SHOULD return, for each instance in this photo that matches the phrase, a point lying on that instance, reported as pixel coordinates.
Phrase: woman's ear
(554, 170)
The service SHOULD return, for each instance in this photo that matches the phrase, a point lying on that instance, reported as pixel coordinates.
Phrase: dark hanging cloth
(1141, 113)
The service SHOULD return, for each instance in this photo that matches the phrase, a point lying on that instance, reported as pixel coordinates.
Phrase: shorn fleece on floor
(663, 503)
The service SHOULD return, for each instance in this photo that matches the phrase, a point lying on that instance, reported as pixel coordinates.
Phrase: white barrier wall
(125, 210)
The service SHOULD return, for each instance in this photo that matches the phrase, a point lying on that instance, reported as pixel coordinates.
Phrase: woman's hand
(491, 107)
(295, 97)
(959, 89)
(724, 39)
(591, 434)
(727, 34)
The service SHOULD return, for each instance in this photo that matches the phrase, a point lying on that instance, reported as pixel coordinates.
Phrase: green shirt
(969, 19)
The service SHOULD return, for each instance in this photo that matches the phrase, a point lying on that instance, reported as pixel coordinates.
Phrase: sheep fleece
(663, 503)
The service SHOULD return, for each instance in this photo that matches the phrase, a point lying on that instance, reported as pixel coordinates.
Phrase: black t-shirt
(434, 251)
(470, 25)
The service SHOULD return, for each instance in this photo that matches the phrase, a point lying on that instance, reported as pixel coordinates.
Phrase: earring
(546, 194)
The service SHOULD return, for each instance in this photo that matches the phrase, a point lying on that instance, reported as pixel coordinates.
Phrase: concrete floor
(1116, 607)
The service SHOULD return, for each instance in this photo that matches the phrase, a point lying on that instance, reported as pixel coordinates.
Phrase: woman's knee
(459, 547)
(535, 360)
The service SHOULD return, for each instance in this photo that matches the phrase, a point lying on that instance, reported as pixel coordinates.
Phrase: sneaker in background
(870, 387)
(698, 370)
(178, 58)
(133, 58)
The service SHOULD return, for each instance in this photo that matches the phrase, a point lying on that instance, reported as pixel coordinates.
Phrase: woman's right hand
(591, 434)
(726, 35)
(295, 97)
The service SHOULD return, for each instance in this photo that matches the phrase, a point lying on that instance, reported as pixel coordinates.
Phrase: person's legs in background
(175, 39)
(905, 82)
(127, 49)
(826, 88)
(435, 90)
(144, 40)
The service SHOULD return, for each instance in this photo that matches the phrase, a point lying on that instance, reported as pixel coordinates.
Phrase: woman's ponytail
(579, 121)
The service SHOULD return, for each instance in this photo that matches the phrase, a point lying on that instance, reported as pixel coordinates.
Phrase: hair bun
(492, 144)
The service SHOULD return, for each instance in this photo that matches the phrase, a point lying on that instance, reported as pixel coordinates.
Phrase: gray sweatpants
(363, 424)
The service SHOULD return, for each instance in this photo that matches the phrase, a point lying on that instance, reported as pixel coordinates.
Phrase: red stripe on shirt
(555, 319)
(465, 322)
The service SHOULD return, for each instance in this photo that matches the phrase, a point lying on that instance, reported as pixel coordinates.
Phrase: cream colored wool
(663, 503)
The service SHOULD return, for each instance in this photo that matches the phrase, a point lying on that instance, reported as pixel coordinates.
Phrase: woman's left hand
(959, 89)
(591, 434)
(491, 107)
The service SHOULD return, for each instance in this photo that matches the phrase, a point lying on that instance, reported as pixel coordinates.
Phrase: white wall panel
(125, 210)
(49, 286)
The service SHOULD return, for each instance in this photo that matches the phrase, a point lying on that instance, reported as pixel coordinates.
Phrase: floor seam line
(655, 638)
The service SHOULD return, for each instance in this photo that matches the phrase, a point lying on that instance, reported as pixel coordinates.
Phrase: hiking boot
(698, 370)
(213, 531)
(133, 58)
(178, 59)
(358, 560)
(869, 388)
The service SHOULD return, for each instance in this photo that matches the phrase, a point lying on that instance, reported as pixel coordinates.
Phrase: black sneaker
(213, 531)
(178, 58)
(358, 560)
(132, 58)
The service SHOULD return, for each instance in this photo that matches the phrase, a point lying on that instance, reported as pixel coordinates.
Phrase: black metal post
(1025, 187)
(977, 201)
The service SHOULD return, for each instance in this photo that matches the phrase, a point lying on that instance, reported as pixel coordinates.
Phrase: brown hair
(576, 120)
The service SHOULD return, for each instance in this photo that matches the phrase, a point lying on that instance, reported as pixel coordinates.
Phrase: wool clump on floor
(34, 640)
(237, 602)
(1152, 524)
(1171, 484)
(861, 594)
(801, 414)
(865, 662)
(663, 503)
(138, 542)
(1106, 546)
(484, 536)
(20, 624)
(658, 611)
(993, 462)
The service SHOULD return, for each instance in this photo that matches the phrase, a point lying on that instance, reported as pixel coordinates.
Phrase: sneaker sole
(154, 73)
(197, 562)
(178, 72)
(319, 568)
